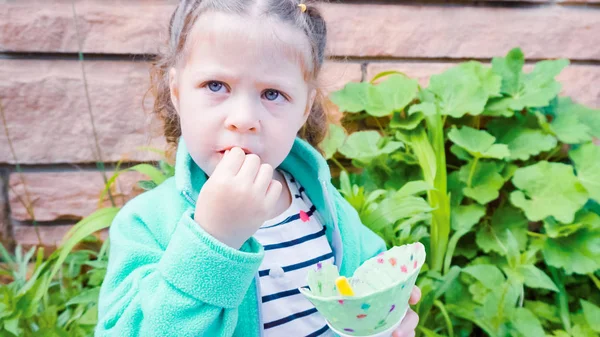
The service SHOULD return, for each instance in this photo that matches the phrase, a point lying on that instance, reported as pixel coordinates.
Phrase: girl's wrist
(229, 240)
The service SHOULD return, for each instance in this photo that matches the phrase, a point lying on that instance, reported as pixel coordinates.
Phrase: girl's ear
(174, 88)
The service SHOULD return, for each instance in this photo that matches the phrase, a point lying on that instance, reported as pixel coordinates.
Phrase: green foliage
(499, 177)
(487, 167)
(58, 295)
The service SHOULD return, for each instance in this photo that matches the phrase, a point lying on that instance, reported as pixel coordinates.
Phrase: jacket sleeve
(191, 287)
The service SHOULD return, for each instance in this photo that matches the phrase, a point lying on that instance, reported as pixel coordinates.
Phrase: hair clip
(302, 7)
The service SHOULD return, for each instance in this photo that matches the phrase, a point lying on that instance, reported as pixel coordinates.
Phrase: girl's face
(242, 85)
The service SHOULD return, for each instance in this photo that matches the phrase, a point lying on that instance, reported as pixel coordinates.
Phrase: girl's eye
(272, 94)
(215, 86)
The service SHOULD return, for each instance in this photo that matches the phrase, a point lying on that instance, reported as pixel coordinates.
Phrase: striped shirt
(294, 242)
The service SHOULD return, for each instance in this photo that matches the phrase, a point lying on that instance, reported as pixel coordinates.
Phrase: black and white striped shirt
(294, 242)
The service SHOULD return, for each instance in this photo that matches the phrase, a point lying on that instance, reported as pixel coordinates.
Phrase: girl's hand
(411, 320)
(238, 198)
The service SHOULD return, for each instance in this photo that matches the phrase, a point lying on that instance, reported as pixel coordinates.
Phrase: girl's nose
(243, 122)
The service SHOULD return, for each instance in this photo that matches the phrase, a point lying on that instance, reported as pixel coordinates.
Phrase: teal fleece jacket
(168, 277)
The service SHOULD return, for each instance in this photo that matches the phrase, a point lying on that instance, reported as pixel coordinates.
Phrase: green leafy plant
(58, 295)
(512, 183)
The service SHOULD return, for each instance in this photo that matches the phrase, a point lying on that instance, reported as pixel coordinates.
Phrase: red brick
(47, 112)
(65, 195)
(106, 26)
(421, 31)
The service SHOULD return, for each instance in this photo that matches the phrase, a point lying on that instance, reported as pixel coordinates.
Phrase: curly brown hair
(174, 51)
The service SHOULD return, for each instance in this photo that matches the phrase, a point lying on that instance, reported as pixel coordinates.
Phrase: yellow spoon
(343, 286)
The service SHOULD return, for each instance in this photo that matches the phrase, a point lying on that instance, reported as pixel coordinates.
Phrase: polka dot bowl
(382, 287)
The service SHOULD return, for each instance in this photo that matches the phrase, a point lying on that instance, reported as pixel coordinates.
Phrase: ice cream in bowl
(374, 300)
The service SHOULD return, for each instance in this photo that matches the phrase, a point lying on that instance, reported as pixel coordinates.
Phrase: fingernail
(227, 151)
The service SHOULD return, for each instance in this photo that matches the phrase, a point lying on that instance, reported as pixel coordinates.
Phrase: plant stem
(562, 299)
(537, 235)
(379, 125)
(430, 152)
(99, 161)
(553, 152)
(27, 202)
(444, 312)
(595, 280)
(337, 163)
(472, 172)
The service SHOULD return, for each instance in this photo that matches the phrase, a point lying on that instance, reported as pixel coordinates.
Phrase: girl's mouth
(246, 151)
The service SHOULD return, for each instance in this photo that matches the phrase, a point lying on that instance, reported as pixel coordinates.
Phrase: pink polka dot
(404, 269)
(341, 302)
(361, 316)
(304, 217)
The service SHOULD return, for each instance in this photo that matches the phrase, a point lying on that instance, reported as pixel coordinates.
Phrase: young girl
(221, 248)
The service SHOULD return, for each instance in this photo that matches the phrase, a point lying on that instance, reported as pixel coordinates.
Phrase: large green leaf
(583, 219)
(382, 99)
(483, 181)
(489, 80)
(426, 108)
(478, 143)
(587, 163)
(510, 68)
(535, 277)
(414, 187)
(569, 129)
(473, 313)
(489, 275)
(455, 188)
(577, 253)
(396, 92)
(527, 324)
(493, 236)
(535, 89)
(365, 146)
(352, 98)
(548, 189)
(572, 123)
(499, 107)
(522, 142)
(462, 219)
(334, 139)
(588, 116)
(543, 310)
(592, 314)
(408, 123)
(459, 91)
(393, 209)
(465, 217)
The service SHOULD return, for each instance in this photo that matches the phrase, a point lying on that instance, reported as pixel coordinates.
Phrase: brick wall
(46, 108)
